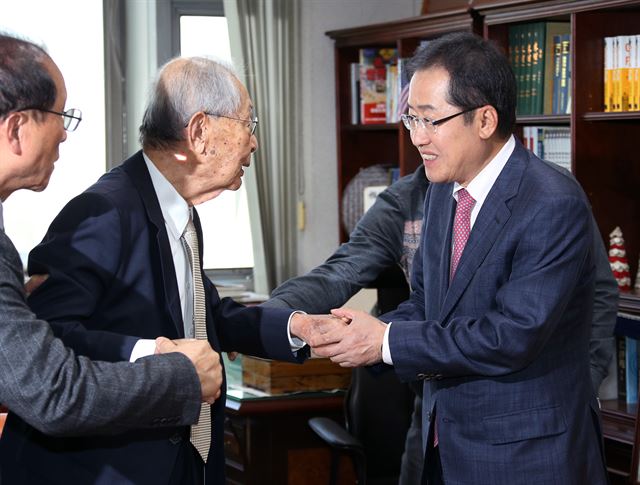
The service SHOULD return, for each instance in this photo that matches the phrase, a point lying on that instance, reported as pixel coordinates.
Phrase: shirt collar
(175, 210)
(481, 184)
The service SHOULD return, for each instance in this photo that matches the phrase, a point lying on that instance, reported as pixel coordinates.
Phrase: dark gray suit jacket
(58, 393)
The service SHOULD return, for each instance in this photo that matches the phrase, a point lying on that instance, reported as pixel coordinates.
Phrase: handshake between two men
(348, 337)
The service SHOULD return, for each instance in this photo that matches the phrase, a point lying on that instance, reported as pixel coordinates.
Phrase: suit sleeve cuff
(143, 348)
(295, 342)
(386, 351)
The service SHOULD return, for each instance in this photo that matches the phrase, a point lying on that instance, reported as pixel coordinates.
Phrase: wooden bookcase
(361, 146)
(604, 146)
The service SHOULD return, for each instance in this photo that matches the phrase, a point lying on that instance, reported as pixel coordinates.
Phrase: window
(225, 219)
(77, 49)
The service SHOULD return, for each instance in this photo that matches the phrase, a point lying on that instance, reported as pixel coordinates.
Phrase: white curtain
(265, 42)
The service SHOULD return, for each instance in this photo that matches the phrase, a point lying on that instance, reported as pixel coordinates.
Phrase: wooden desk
(268, 440)
(618, 430)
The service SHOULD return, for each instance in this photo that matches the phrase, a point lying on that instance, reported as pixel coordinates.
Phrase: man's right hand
(203, 357)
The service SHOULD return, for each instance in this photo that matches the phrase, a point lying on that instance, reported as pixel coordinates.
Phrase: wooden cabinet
(268, 440)
(604, 146)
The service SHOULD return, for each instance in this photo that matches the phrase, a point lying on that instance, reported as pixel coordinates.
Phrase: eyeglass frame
(253, 121)
(66, 115)
(406, 119)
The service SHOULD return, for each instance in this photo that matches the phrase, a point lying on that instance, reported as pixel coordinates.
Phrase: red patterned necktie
(461, 227)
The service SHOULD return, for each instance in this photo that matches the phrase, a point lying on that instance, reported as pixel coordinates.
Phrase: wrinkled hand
(33, 283)
(361, 343)
(317, 330)
(205, 360)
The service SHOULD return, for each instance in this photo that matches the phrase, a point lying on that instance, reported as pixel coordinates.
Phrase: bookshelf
(604, 151)
(361, 146)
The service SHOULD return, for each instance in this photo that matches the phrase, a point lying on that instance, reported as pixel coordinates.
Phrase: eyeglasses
(411, 122)
(71, 118)
(253, 122)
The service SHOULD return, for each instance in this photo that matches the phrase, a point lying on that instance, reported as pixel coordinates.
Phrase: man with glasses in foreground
(124, 258)
(498, 323)
(41, 380)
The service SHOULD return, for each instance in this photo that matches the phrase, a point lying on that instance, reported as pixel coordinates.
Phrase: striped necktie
(200, 432)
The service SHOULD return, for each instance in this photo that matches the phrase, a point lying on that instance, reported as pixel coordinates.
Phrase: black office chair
(377, 413)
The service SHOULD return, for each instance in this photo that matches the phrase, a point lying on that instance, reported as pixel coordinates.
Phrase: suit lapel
(492, 218)
(137, 171)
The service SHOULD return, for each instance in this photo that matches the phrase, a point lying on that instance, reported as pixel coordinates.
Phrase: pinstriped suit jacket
(503, 348)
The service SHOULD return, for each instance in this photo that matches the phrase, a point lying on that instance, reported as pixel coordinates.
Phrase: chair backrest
(378, 411)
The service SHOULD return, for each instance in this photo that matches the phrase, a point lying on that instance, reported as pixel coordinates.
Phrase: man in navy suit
(498, 321)
(118, 265)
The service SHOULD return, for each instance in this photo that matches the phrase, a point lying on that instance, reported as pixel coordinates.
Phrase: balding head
(25, 76)
(183, 87)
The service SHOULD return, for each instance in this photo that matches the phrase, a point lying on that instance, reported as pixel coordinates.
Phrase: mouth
(428, 157)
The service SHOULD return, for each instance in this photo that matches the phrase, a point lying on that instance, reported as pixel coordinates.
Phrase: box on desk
(279, 377)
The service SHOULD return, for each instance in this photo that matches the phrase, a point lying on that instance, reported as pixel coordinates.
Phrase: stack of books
(540, 54)
(622, 73)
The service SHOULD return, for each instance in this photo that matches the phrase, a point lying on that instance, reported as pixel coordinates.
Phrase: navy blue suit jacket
(110, 267)
(503, 348)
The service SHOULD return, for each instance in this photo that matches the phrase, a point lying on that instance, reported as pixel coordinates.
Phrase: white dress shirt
(478, 188)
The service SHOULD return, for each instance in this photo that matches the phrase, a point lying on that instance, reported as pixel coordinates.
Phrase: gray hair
(184, 86)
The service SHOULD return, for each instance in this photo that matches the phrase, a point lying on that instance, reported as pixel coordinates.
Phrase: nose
(420, 135)
(64, 136)
(254, 143)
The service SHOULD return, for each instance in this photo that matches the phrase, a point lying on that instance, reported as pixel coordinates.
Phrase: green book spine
(537, 67)
(514, 57)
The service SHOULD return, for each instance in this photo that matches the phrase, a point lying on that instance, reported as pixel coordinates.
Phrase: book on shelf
(631, 370)
(622, 73)
(354, 82)
(517, 58)
(564, 82)
(551, 143)
(627, 331)
(402, 91)
(537, 63)
(373, 83)
(621, 367)
(634, 74)
(551, 29)
(624, 59)
(391, 94)
(608, 73)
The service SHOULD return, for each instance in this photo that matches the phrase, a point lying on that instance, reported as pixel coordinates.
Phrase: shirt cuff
(386, 351)
(143, 348)
(295, 342)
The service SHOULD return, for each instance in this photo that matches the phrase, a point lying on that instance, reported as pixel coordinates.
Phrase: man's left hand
(361, 343)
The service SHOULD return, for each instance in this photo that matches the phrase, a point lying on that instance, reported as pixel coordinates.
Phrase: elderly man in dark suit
(40, 379)
(124, 259)
(498, 322)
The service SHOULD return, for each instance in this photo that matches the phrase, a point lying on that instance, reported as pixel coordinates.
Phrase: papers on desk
(239, 293)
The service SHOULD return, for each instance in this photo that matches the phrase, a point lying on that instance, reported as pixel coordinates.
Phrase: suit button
(175, 439)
